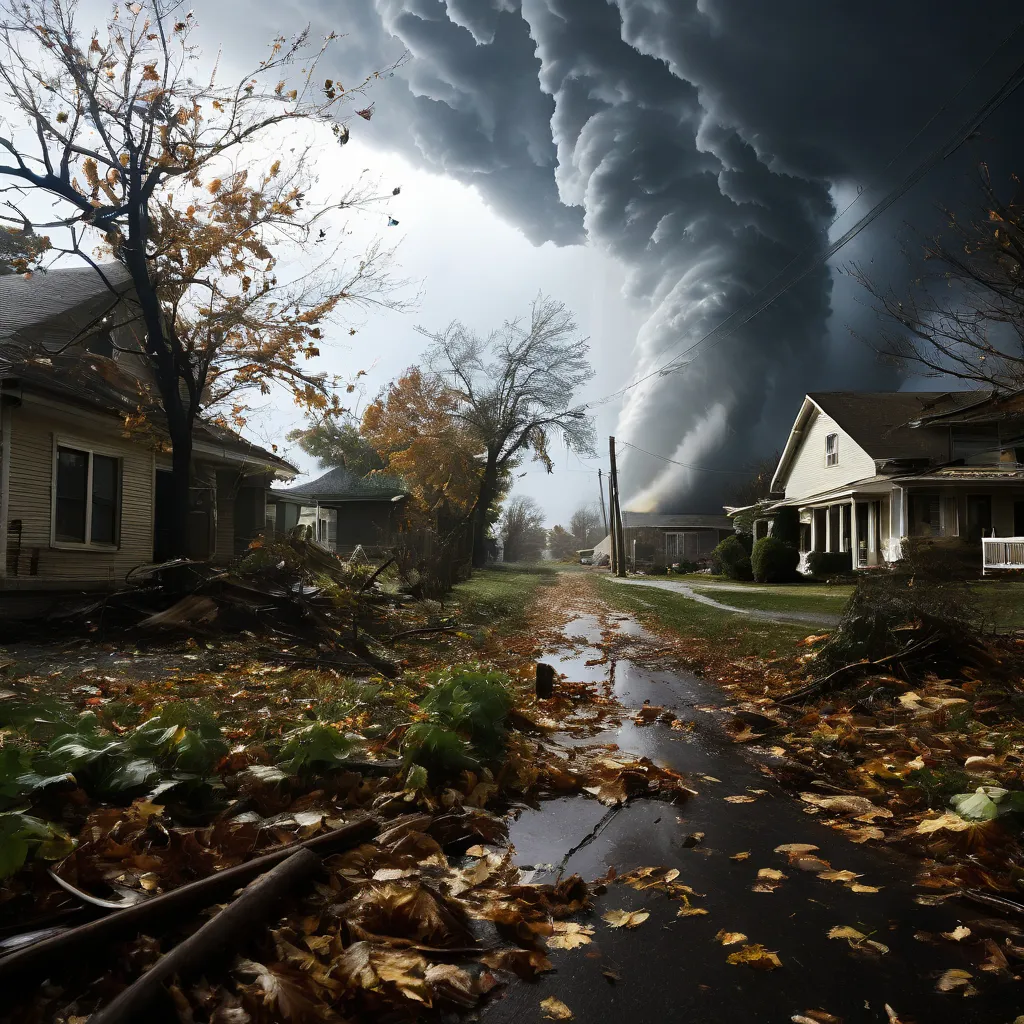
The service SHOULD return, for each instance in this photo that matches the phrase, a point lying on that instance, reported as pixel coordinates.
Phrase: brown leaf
(569, 935)
(740, 856)
(730, 938)
(625, 918)
(860, 806)
(741, 798)
(555, 1009)
(755, 956)
(955, 978)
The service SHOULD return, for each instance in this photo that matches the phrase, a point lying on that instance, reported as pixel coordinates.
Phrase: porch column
(854, 545)
(828, 527)
(872, 532)
(814, 530)
(898, 521)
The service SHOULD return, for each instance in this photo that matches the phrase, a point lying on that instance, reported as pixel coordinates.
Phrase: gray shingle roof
(49, 294)
(633, 520)
(879, 421)
(339, 484)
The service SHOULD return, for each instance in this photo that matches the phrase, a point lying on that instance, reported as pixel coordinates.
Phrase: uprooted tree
(514, 389)
(165, 172)
(963, 312)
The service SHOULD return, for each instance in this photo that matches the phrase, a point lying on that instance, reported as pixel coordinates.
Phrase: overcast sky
(653, 164)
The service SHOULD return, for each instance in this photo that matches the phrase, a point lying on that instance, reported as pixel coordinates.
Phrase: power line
(966, 128)
(685, 465)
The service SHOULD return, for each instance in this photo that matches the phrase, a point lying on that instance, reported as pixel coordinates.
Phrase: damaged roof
(683, 521)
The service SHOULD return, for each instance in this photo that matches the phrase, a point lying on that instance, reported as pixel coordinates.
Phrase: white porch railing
(1002, 553)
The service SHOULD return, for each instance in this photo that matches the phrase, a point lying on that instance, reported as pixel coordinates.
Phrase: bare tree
(516, 388)
(963, 314)
(146, 162)
(522, 530)
(585, 525)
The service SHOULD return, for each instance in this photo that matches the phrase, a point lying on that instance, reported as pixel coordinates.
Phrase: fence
(1002, 553)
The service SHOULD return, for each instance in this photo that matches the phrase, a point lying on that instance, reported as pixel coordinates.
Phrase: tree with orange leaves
(412, 426)
(162, 170)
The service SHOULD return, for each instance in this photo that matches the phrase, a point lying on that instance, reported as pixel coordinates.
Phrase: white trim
(6, 416)
(76, 444)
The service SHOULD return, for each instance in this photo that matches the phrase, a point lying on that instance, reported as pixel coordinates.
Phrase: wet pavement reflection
(672, 968)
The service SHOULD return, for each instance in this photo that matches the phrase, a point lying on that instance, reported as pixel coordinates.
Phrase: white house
(866, 470)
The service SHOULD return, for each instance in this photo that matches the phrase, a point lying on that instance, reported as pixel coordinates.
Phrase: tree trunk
(488, 489)
(181, 480)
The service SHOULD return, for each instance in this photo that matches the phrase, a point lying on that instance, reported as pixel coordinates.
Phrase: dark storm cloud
(701, 142)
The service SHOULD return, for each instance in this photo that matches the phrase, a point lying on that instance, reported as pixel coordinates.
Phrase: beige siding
(30, 487)
(809, 475)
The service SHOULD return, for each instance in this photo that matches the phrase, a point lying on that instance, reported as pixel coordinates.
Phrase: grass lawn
(1000, 604)
(743, 636)
(809, 598)
(501, 594)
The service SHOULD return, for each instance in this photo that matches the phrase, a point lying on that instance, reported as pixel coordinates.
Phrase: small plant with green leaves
(938, 783)
(467, 710)
(315, 748)
(181, 737)
(987, 803)
(21, 835)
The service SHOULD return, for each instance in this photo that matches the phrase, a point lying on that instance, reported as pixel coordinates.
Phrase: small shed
(656, 538)
(343, 510)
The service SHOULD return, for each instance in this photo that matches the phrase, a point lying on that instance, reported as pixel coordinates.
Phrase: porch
(872, 522)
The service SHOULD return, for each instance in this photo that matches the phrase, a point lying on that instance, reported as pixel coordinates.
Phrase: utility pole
(600, 489)
(616, 512)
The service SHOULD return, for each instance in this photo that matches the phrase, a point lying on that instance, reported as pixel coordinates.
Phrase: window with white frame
(87, 496)
(832, 450)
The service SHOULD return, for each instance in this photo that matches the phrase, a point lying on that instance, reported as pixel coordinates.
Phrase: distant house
(341, 509)
(83, 476)
(868, 470)
(654, 538)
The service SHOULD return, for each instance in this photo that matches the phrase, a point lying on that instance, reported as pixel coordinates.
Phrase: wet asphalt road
(671, 968)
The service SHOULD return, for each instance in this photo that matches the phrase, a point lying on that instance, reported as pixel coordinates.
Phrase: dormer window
(832, 450)
(100, 344)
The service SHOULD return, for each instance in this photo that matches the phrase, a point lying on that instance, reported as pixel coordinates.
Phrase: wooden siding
(809, 475)
(30, 502)
(224, 542)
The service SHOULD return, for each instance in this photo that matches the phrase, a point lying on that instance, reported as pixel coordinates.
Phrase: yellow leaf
(756, 956)
(958, 934)
(950, 822)
(857, 887)
(838, 876)
(742, 798)
(688, 911)
(555, 1009)
(625, 918)
(569, 935)
(955, 978)
(770, 874)
(730, 938)
(740, 856)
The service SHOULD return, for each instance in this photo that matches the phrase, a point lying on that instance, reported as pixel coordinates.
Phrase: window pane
(72, 476)
(104, 499)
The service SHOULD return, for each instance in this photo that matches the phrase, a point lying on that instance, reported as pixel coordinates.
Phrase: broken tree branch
(96, 935)
(218, 936)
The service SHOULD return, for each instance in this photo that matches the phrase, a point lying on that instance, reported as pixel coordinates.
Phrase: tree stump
(545, 681)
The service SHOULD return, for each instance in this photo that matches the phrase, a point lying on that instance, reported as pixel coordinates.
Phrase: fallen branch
(218, 936)
(829, 682)
(420, 632)
(94, 936)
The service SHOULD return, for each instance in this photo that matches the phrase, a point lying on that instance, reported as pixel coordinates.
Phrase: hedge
(829, 563)
(731, 558)
(772, 561)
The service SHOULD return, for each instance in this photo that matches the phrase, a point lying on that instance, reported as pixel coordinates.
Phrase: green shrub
(772, 561)
(315, 748)
(829, 563)
(467, 709)
(732, 558)
(786, 526)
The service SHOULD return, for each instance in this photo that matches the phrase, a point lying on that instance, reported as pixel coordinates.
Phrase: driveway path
(674, 968)
(686, 590)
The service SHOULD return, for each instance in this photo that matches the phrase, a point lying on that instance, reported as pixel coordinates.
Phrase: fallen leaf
(756, 956)
(857, 887)
(958, 934)
(569, 935)
(730, 938)
(625, 918)
(892, 1015)
(771, 874)
(688, 911)
(950, 822)
(816, 1017)
(742, 798)
(863, 834)
(796, 848)
(555, 1009)
(838, 876)
(739, 732)
(740, 856)
(955, 978)
(859, 806)
(855, 938)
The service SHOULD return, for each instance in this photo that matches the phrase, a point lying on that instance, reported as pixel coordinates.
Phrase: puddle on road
(579, 835)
